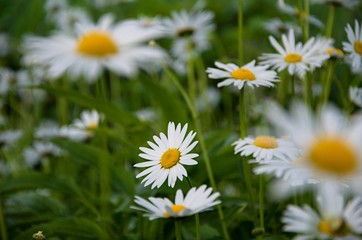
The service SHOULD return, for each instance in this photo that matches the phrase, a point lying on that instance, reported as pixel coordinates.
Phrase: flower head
(329, 147)
(264, 148)
(196, 200)
(117, 47)
(334, 220)
(249, 75)
(166, 158)
(296, 57)
(354, 46)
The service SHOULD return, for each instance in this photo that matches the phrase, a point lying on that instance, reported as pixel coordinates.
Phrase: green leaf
(78, 228)
(121, 178)
(34, 180)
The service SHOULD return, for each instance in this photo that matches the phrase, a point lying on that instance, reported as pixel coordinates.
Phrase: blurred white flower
(118, 48)
(196, 200)
(208, 100)
(355, 95)
(7, 80)
(335, 219)
(354, 46)
(276, 27)
(68, 19)
(39, 151)
(329, 146)
(9, 137)
(105, 3)
(146, 114)
(47, 129)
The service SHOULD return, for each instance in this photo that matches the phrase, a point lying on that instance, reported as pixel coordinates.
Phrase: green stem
(191, 71)
(292, 83)
(202, 145)
(104, 166)
(197, 217)
(240, 32)
(328, 82)
(2, 223)
(306, 20)
(330, 21)
(246, 166)
(178, 229)
(261, 200)
(308, 90)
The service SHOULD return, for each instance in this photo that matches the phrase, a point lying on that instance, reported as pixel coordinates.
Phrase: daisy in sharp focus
(336, 219)
(196, 200)
(166, 157)
(296, 57)
(354, 46)
(248, 75)
(329, 146)
(264, 148)
(117, 47)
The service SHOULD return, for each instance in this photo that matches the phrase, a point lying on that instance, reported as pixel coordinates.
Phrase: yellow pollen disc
(170, 158)
(243, 74)
(358, 47)
(334, 228)
(96, 44)
(177, 208)
(293, 58)
(333, 155)
(335, 52)
(265, 142)
(92, 125)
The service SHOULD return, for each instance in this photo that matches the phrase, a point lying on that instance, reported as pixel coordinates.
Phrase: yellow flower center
(96, 44)
(243, 74)
(176, 208)
(358, 47)
(265, 142)
(293, 58)
(92, 125)
(333, 155)
(185, 32)
(334, 228)
(170, 158)
(335, 52)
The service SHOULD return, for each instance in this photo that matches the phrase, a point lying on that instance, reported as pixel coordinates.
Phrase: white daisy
(264, 148)
(166, 158)
(9, 137)
(329, 145)
(334, 220)
(296, 57)
(355, 95)
(189, 29)
(196, 200)
(116, 47)
(338, 3)
(249, 75)
(39, 151)
(276, 27)
(47, 129)
(88, 120)
(354, 46)
(296, 12)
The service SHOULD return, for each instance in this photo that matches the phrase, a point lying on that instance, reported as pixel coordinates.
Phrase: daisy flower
(295, 57)
(354, 46)
(276, 27)
(189, 29)
(196, 200)
(166, 158)
(264, 148)
(40, 150)
(329, 146)
(249, 75)
(117, 47)
(335, 219)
